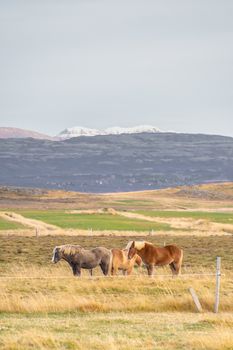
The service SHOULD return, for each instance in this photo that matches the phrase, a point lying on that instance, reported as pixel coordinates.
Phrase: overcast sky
(103, 63)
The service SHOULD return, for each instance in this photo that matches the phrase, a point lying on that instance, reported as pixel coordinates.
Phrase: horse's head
(57, 255)
(132, 250)
(66, 252)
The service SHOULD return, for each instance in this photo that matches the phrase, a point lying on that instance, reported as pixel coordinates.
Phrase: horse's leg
(104, 267)
(114, 271)
(173, 268)
(150, 269)
(114, 268)
(91, 272)
(129, 271)
(73, 266)
(76, 270)
(177, 267)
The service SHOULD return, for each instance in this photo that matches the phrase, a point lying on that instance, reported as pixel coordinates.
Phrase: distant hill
(114, 163)
(220, 196)
(6, 133)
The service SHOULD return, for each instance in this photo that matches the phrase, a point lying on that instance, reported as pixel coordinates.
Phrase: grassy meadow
(64, 219)
(224, 218)
(42, 306)
(9, 225)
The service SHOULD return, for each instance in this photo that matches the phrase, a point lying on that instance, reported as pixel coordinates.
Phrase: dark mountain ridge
(110, 163)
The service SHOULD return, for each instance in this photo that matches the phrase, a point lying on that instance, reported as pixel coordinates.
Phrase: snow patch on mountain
(78, 131)
(81, 131)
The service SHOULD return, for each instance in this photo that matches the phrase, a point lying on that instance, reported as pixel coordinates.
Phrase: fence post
(195, 299)
(217, 290)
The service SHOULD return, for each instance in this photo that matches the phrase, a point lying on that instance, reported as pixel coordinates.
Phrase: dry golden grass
(41, 290)
(216, 196)
(114, 313)
(117, 331)
(52, 312)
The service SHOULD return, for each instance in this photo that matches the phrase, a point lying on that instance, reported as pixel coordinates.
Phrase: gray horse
(79, 258)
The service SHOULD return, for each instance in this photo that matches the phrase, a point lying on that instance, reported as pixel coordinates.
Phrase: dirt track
(31, 223)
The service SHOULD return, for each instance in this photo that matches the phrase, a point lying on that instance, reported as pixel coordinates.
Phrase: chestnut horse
(156, 256)
(120, 261)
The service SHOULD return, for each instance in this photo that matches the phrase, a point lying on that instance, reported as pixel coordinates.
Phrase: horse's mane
(137, 244)
(141, 244)
(128, 245)
(69, 249)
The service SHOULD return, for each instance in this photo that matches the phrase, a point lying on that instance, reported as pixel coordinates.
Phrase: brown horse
(156, 256)
(120, 261)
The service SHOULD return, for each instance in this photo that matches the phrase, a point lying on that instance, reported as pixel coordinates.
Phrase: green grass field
(94, 221)
(9, 225)
(224, 218)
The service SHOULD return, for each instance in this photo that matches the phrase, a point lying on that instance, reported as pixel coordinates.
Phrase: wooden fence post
(195, 299)
(217, 290)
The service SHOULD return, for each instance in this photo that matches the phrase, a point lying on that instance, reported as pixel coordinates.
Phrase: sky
(104, 63)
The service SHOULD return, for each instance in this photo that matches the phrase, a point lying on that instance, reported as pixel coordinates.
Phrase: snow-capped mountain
(81, 131)
(78, 131)
(134, 130)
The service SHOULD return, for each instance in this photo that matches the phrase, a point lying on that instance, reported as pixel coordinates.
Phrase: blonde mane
(129, 245)
(69, 249)
(139, 245)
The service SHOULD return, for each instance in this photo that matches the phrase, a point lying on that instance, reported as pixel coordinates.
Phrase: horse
(120, 261)
(79, 258)
(156, 256)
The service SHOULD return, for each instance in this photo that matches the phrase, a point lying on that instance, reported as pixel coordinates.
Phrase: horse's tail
(179, 263)
(110, 264)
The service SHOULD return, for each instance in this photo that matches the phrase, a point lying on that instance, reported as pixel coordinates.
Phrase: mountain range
(112, 163)
(80, 131)
(75, 132)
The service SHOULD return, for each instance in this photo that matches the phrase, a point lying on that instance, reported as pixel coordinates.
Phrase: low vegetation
(224, 218)
(100, 222)
(9, 225)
